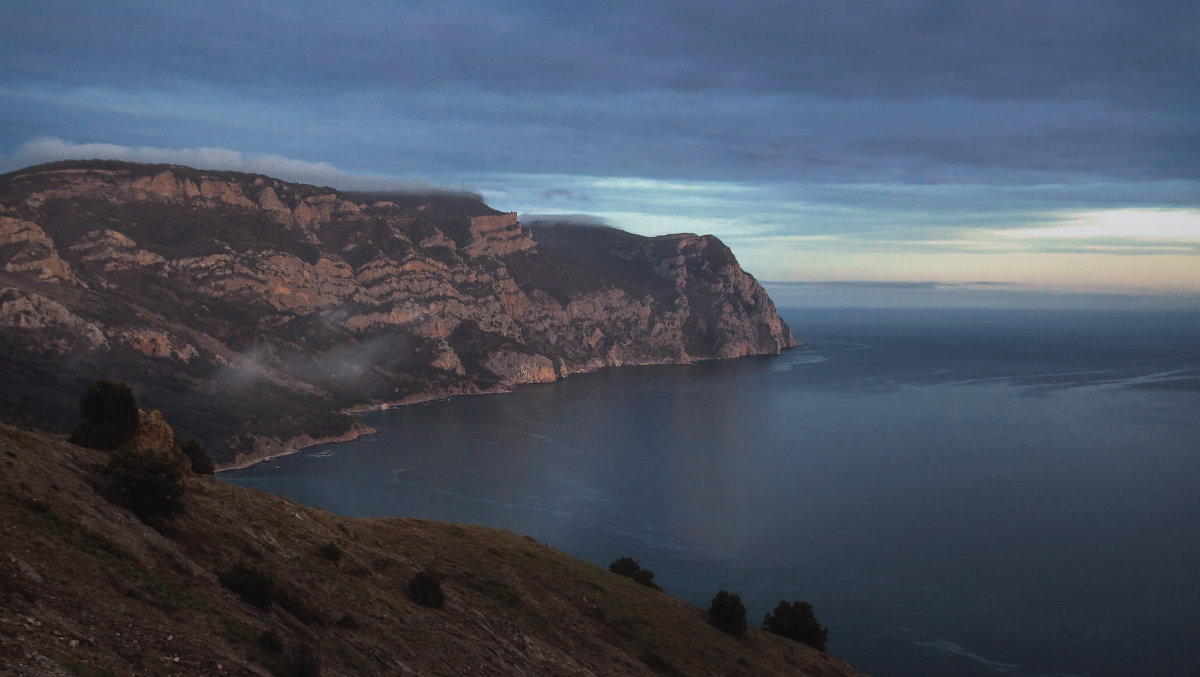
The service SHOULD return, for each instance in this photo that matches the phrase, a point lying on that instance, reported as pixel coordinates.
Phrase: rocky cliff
(251, 310)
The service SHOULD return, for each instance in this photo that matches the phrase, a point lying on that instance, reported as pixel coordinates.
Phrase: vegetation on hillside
(727, 613)
(201, 463)
(796, 621)
(110, 416)
(426, 589)
(631, 568)
(149, 484)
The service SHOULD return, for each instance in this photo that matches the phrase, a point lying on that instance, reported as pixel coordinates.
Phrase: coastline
(276, 448)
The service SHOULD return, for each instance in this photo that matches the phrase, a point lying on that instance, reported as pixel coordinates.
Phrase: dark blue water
(956, 492)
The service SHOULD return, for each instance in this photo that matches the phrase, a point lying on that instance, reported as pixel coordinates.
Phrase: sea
(957, 492)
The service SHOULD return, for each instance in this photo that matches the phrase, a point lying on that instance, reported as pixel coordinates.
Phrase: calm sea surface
(956, 492)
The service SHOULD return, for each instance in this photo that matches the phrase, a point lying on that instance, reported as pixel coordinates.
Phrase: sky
(923, 149)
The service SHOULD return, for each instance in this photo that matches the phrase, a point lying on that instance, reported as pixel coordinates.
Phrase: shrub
(331, 552)
(727, 613)
(148, 484)
(426, 589)
(796, 621)
(201, 463)
(348, 622)
(630, 568)
(110, 416)
(255, 587)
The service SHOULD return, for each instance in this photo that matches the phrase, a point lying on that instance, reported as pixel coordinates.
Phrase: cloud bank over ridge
(959, 129)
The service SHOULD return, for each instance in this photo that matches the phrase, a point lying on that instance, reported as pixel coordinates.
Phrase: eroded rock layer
(251, 310)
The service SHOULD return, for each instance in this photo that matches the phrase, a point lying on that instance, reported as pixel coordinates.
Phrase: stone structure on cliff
(251, 310)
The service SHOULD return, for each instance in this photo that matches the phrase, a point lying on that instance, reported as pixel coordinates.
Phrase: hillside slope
(251, 310)
(87, 589)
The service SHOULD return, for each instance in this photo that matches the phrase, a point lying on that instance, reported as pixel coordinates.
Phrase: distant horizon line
(976, 285)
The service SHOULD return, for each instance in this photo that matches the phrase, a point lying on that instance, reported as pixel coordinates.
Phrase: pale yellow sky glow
(1117, 250)
(1138, 250)
(1126, 224)
(1092, 272)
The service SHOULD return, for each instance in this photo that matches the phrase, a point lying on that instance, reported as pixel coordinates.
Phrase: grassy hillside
(88, 589)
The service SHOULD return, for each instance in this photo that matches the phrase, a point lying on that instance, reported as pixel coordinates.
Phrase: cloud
(1026, 92)
(1151, 225)
(911, 128)
(50, 149)
(1018, 49)
(564, 219)
(564, 194)
(885, 284)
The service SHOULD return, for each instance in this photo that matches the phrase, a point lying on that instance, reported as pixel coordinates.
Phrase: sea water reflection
(956, 493)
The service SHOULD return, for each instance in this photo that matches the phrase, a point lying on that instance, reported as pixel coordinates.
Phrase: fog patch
(242, 371)
(565, 194)
(586, 220)
(51, 149)
(346, 364)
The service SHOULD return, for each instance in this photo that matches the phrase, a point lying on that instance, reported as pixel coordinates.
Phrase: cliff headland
(253, 312)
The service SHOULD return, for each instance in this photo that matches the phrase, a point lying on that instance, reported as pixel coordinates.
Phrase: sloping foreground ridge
(88, 589)
(252, 311)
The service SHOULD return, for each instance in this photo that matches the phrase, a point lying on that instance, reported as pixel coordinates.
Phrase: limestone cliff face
(249, 309)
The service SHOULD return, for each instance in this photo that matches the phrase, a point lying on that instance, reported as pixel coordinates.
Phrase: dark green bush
(727, 613)
(148, 484)
(255, 587)
(631, 568)
(331, 552)
(201, 463)
(110, 416)
(426, 589)
(796, 621)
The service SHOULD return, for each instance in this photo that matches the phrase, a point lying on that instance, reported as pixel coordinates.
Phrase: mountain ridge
(252, 310)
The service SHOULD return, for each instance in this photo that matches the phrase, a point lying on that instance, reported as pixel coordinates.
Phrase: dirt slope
(87, 589)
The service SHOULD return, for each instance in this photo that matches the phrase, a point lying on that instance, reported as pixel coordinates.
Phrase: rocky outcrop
(249, 309)
(49, 323)
(155, 436)
(497, 235)
(29, 250)
(514, 368)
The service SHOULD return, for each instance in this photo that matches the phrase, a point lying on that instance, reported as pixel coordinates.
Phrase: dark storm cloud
(908, 92)
(1003, 49)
